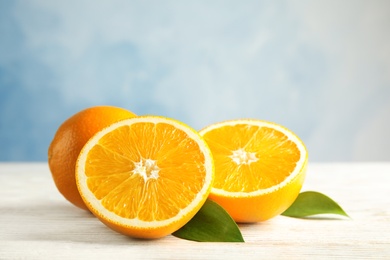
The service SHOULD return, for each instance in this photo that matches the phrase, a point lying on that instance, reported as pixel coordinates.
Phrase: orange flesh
(140, 171)
(250, 158)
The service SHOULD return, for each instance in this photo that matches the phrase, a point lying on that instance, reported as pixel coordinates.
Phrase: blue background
(320, 68)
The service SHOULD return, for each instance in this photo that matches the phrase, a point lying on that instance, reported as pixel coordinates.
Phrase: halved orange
(146, 176)
(259, 167)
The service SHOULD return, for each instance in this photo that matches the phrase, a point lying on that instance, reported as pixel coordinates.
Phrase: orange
(259, 167)
(70, 137)
(146, 176)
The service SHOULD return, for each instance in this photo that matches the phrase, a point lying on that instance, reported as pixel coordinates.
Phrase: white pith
(240, 157)
(147, 169)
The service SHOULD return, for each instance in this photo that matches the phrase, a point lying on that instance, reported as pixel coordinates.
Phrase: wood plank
(36, 222)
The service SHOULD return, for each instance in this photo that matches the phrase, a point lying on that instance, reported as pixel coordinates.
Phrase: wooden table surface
(36, 222)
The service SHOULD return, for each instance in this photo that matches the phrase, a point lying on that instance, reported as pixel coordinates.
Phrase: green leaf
(313, 203)
(211, 224)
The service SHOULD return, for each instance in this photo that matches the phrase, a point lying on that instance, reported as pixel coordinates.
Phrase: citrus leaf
(211, 224)
(313, 203)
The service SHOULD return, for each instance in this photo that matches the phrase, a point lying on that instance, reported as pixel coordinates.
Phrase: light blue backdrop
(320, 68)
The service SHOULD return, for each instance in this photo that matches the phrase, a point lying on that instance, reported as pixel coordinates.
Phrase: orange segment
(259, 167)
(146, 176)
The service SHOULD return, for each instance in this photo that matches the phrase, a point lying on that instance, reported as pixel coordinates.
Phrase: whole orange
(68, 141)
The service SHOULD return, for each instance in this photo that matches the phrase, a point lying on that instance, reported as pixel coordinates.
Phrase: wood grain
(36, 222)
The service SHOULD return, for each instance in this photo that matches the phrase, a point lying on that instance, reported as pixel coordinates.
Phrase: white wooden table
(36, 222)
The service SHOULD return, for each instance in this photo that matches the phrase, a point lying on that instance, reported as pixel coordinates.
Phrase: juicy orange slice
(145, 176)
(259, 167)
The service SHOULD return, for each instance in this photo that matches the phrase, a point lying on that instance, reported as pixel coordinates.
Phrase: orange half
(259, 166)
(146, 176)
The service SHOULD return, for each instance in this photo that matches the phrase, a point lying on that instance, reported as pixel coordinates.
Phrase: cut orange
(146, 176)
(259, 167)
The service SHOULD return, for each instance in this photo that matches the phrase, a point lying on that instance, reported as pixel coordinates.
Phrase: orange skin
(263, 207)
